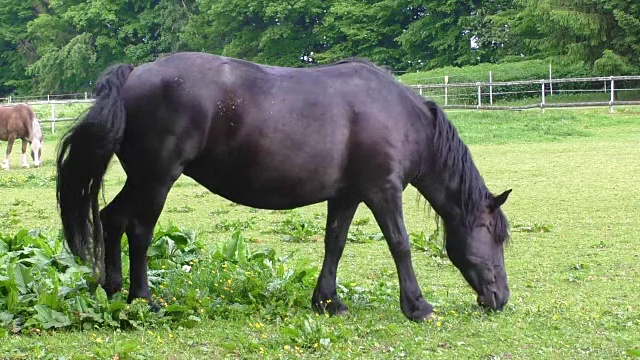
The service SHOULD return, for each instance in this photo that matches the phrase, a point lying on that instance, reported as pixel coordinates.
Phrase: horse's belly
(266, 184)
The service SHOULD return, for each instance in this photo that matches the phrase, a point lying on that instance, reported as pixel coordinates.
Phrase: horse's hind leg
(114, 219)
(10, 140)
(24, 162)
(339, 215)
(147, 202)
(386, 206)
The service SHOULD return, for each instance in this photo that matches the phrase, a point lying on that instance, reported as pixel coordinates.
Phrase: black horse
(276, 138)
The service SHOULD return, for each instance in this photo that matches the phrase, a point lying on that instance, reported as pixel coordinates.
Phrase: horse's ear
(497, 201)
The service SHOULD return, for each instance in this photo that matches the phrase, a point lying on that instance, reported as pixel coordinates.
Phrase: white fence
(52, 101)
(485, 90)
(447, 92)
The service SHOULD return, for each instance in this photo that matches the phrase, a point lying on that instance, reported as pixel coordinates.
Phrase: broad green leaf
(6, 317)
(22, 277)
(48, 318)
(101, 298)
(13, 300)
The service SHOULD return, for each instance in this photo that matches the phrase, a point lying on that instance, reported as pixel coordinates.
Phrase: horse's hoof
(421, 311)
(332, 307)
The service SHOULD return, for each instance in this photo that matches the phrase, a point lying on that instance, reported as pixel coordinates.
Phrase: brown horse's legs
(386, 205)
(10, 140)
(24, 162)
(339, 215)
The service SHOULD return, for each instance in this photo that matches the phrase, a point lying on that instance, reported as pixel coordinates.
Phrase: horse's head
(478, 252)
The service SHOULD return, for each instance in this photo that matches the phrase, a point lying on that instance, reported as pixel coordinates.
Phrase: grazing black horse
(276, 138)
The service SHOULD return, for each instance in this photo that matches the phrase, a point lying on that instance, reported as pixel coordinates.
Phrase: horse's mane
(452, 154)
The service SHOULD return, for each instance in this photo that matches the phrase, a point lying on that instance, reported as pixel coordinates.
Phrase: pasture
(573, 261)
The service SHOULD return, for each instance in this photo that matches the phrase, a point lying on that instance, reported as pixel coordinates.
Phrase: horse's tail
(82, 160)
(36, 137)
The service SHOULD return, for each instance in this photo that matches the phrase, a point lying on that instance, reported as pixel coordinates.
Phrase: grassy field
(573, 261)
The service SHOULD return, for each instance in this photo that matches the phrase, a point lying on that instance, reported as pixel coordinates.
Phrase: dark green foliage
(62, 46)
(42, 286)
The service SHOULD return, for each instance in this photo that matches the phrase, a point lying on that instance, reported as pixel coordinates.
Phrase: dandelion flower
(286, 347)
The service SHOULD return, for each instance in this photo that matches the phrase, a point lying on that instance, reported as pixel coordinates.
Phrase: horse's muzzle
(493, 300)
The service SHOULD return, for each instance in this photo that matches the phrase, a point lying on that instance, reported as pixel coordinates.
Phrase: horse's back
(285, 135)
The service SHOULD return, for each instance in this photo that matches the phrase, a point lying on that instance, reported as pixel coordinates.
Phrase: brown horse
(19, 122)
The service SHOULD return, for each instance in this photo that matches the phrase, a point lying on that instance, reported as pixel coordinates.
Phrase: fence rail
(545, 89)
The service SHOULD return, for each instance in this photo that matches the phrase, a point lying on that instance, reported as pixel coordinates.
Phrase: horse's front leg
(10, 140)
(386, 206)
(24, 162)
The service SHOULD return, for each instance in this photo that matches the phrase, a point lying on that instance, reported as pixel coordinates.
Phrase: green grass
(573, 262)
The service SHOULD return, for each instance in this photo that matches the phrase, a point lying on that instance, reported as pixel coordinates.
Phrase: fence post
(542, 92)
(85, 95)
(550, 83)
(420, 90)
(9, 99)
(53, 118)
(48, 98)
(479, 95)
(446, 90)
(612, 95)
(490, 88)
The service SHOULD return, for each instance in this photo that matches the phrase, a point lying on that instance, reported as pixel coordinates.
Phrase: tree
(77, 39)
(369, 29)
(456, 32)
(16, 51)
(582, 30)
(275, 32)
